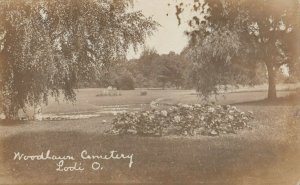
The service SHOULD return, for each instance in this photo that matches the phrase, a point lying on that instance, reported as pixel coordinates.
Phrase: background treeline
(153, 70)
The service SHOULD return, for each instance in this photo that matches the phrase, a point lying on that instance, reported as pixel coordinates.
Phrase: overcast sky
(170, 36)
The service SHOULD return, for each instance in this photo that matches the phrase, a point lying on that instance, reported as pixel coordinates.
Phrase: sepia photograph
(150, 92)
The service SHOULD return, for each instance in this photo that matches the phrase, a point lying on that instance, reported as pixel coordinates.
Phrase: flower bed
(183, 119)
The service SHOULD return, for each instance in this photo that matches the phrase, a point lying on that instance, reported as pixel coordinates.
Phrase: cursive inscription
(69, 163)
(43, 156)
(114, 155)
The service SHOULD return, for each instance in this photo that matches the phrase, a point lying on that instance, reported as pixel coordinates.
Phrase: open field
(88, 101)
(267, 154)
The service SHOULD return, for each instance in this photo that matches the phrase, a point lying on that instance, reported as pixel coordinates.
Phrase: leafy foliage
(183, 119)
(154, 70)
(125, 82)
(48, 46)
(151, 70)
(254, 30)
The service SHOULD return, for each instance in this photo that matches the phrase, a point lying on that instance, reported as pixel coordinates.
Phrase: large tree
(228, 35)
(48, 46)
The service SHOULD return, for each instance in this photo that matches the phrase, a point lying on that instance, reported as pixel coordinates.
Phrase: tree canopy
(241, 33)
(48, 46)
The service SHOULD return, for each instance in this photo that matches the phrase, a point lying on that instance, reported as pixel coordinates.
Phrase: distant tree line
(153, 70)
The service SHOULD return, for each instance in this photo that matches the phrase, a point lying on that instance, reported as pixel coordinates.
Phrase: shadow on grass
(12, 122)
(290, 100)
(156, 160)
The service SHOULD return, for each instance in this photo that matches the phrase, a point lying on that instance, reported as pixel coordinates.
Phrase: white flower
(132, 131)
(164, 113)
(211, 109)
(214, 133)
(219, 106)
(202, 118)
(185, 106)
(177, 119)
(234, 108)
(197, 105)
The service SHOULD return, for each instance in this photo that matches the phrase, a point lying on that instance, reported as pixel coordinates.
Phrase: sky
(168, 37)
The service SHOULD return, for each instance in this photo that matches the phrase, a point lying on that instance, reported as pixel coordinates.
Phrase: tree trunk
(272, 82)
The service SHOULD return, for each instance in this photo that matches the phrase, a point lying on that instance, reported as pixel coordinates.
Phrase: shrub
(144, 93)
(125, 82)
(183, 120)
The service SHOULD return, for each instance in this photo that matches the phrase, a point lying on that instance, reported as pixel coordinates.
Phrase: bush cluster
(125, 82)
(144, 93)
(183, 119)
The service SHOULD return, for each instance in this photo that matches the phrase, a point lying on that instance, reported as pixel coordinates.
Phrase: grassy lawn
(87, 100)
(267, 154)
